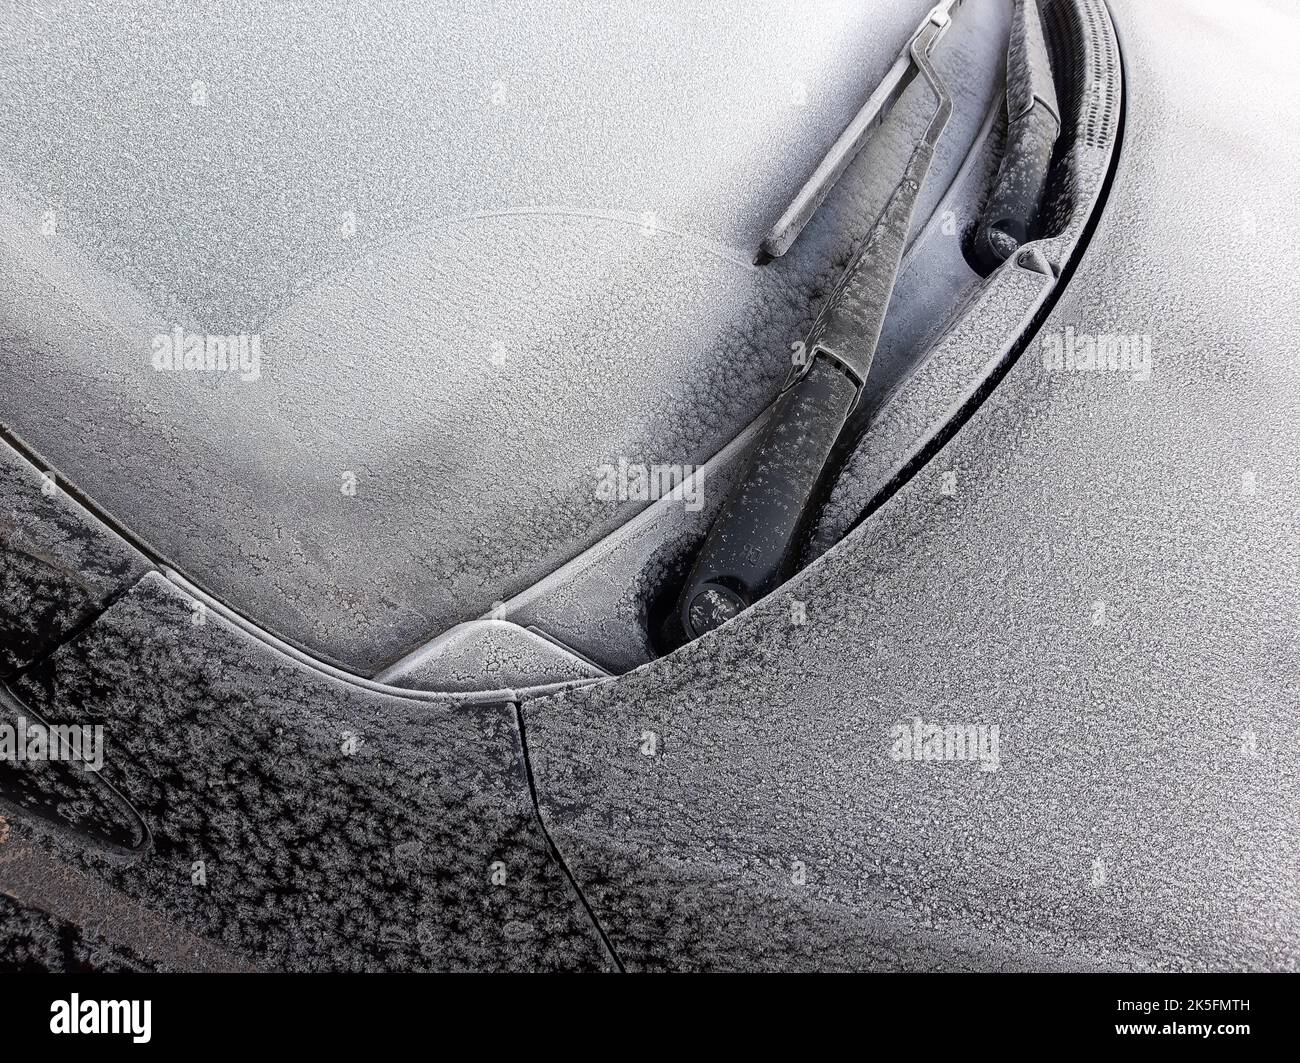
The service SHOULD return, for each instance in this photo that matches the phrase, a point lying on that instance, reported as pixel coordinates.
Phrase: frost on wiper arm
(751, 545)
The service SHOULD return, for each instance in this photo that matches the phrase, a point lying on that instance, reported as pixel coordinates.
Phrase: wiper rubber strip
(850, 142)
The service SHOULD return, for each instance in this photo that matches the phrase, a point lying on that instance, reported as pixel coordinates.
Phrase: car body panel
(1113, 582)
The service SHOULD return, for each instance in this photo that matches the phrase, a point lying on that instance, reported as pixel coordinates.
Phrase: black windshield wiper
(1033, 124)
(751, 544)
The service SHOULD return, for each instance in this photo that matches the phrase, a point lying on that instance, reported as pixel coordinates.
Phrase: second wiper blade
(1033, 124)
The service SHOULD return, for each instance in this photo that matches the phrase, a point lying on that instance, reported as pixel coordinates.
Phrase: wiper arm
(752, 542)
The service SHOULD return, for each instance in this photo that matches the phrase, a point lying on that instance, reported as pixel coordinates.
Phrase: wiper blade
(1033, 124)
(850, 142)
(752, 542)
